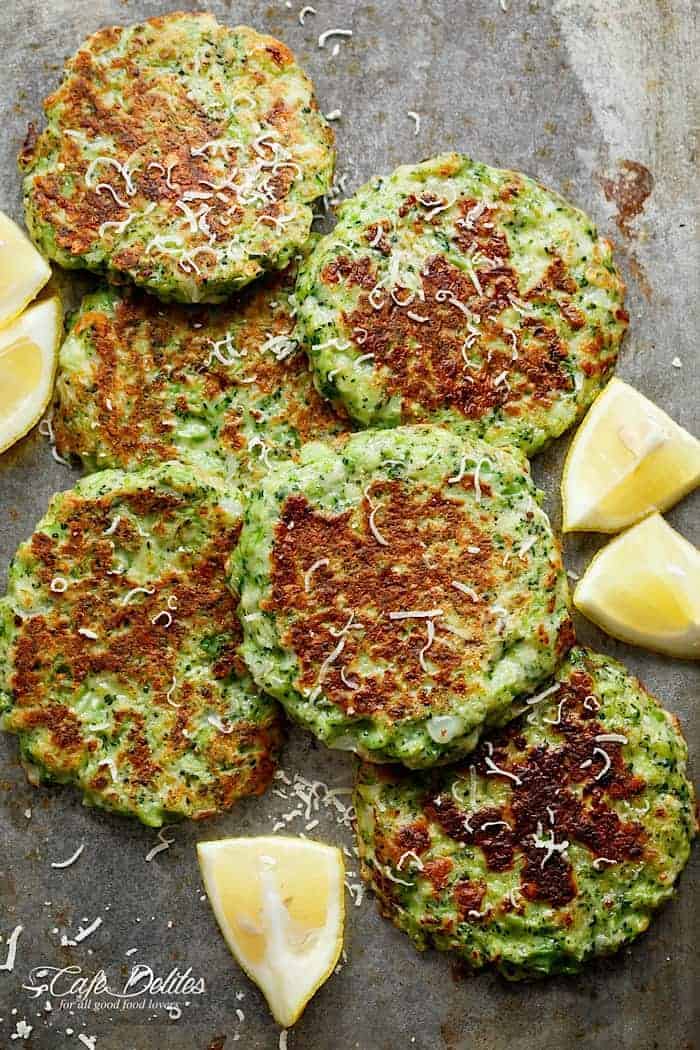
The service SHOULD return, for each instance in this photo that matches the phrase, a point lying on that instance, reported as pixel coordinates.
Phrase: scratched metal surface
(595, 100)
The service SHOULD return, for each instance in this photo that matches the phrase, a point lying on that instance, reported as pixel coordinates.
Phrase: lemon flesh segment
(280, 905)
(28, 356)
(23, 272)
(644, 588)
(627, 460)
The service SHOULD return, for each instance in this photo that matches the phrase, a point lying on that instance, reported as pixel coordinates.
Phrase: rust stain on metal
(629, 192)
(639, 274)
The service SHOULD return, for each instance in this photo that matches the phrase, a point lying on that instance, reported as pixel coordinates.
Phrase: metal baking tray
(594, 100)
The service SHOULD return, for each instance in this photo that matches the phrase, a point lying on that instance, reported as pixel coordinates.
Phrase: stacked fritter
(401, 591)
(185, 156)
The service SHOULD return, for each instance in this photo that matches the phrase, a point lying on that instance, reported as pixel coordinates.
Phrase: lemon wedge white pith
(280, 905)
(28, 355)
(23, 271)
(644, 588)
(627, 460)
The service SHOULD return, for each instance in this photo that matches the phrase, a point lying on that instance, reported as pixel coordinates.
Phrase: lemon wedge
(281, 908)
(627, 460)
(23, 272)
(644, 588)
(28, 356)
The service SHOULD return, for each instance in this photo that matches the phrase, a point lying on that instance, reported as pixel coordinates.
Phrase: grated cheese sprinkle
(71, 860)
(549, 844)
(460, 472)
(415, 117)
(539, 697)
(163, 844)
(308, 10)
(352, 684)
(323, 37)
(401, 882)
(415, 858)
(477, 478)
(137, 590)
(429, 642)
(606, 761)
(319, 564)
(9, 964)
(373, 528)
(218, 723)
(363, 357)
(465, 589)
(556, 721)
(492, 768)
(111, 765)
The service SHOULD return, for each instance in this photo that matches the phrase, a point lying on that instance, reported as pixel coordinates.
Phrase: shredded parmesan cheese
(539, 697)
(374, 530)
(363, 357)
(465, 589)
(137, 590)
(352, 684)
(556, 721)
(414, 857)
(319, 564)
(429, 642)
(9, 964)
(71, 860)
(477, 478)
(323, 37)
(257, 442)
(492, 768)
(602, 860)
(393, 878)
(218, 723)
(163, 844)
(549, 844)
(379, 233)
(372, 297)
(606, 761)
(415, 117)
(111, 765)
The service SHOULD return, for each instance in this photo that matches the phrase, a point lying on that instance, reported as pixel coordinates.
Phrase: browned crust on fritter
(141, 351)
(429, 536)
(51, 658)
(160, 117)
(547, 774)
(425, 360)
